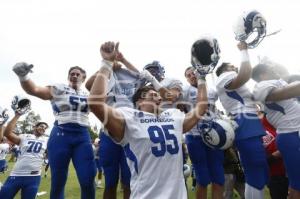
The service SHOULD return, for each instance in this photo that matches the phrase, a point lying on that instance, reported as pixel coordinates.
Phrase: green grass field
(72, 190)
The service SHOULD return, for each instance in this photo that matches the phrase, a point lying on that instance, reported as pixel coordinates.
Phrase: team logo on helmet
(217, 134)
(205, 54)
(251, 28)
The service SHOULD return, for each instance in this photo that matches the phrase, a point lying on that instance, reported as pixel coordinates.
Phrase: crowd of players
(145, 116)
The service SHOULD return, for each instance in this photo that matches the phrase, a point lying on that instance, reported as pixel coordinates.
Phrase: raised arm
(90, 81)
(23, 69)
(292, 90)
(113, 121)
(9, 130)
(120, 57)
(245, 69)
(192, 117)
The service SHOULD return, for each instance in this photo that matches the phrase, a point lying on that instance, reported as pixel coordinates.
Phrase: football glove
(145, 74)
(22, 69)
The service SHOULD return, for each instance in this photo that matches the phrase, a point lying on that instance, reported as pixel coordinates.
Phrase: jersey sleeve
(262, 90)
(57, 89)
(225, 79)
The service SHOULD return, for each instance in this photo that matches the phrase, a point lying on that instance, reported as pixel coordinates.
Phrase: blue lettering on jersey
(34, 147)
(159, 135)
(78, 103)
(154, 120)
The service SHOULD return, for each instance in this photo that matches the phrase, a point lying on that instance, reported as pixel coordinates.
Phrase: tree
(26, 125)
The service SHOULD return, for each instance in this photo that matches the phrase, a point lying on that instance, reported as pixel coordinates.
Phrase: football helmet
(205, 54)
(156, 70)
(248, 23)
(21, 104)
(3, 115)
(217, 134)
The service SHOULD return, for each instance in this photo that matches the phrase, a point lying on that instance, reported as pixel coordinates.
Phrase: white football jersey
(69, 105)
(30, 160)
(234, 101)
(283, 115)
(153, 148)
(122, 85)
(4, 149)
(190, 98)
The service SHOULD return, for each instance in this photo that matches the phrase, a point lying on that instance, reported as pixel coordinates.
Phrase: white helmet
(21, 104)
(248, 23)
(186, 170)
(205, 54)
(217, 134)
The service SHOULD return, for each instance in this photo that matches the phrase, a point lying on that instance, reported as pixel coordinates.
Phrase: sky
(55, 35)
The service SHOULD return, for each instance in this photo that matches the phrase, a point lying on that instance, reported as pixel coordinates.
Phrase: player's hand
(200, 73)
(242, 45)
(3, 116)
(145, 74)
(22, 69)
(108, 51)
(119, 56)
(21, 105)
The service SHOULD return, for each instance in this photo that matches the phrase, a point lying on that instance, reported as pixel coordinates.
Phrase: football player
(282, 111)
(26, 173)
(151, 138)
(207, 162)
(69, 138)
(237, 101)
(122, 85)
(170, 89)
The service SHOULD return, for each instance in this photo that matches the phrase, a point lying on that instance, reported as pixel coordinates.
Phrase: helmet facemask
(205, 54)
(251, 29)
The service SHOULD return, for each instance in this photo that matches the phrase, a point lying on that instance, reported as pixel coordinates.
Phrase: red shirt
(276, 168)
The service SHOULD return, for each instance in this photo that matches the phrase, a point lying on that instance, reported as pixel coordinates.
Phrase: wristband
(201, 81)
(244, 56)
(24, 78)
(107, 64)
(156, 84)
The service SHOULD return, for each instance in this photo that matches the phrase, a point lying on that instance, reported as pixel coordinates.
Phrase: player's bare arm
(8, 132)
(23, 69)
(112, 119)
(192, 117)
(245, 70)
(120, 58)
(290, 91)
